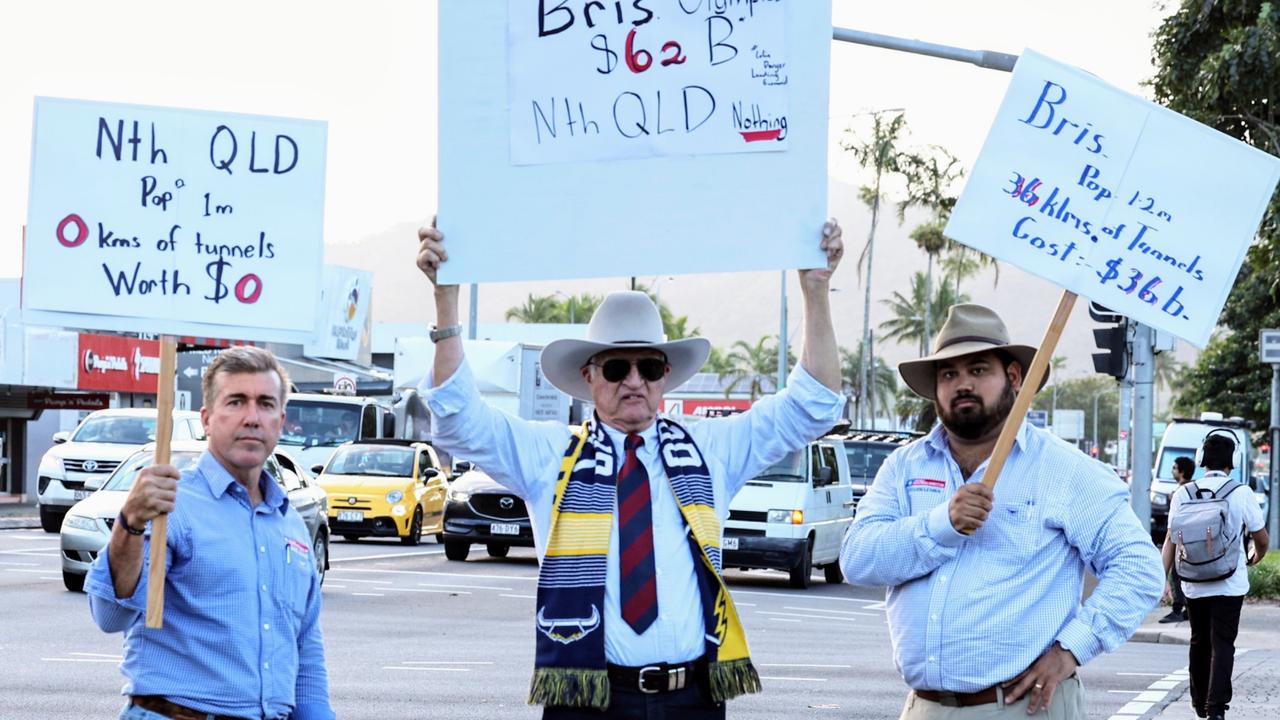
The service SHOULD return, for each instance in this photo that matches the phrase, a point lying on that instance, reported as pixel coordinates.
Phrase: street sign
(1039, 418)
(1269, 346)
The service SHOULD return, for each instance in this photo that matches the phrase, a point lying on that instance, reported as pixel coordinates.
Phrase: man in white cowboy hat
(984, 587)
(633, 619)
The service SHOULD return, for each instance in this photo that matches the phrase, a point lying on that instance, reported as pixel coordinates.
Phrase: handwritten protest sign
(638, 138)
(1115, 198)
(646, 78)
(166, 219)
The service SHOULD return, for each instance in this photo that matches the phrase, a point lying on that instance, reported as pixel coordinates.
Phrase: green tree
(914, 411)
(1216, 62)
(930, 173)
(675, 327)
(717, 362)
(1079, 394)
(754, 364)
(914, 317)
(884, 385)
(536, 309)
(880, 153)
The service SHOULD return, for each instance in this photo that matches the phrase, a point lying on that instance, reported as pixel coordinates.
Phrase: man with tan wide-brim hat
(633, 619)
(985, 585)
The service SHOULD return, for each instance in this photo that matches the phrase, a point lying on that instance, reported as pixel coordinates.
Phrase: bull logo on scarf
(567, 630)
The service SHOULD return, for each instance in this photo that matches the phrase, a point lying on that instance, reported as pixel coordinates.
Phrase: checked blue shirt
(967, 612)
(241, 631)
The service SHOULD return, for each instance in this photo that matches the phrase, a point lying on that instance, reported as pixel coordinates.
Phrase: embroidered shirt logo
(926, 484)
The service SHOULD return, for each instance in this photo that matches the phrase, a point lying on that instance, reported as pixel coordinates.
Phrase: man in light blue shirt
(241, 635)
(984, 586)
(632, 617)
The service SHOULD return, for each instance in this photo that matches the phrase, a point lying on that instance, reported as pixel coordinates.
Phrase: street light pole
(782, 332)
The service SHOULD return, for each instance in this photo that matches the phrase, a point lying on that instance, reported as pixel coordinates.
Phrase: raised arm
(431, 253)
(818, 355)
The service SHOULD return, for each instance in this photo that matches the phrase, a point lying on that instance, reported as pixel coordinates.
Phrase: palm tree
(1168, 372)
(912, 317)
(930, 174)
(914, 411)
(880, 153)
(751, 363)
(883, 387)
(1056, 363)
(536, 309)
(717, 362)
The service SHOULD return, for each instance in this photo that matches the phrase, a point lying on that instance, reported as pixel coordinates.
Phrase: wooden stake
(164, 432)
(1030, 384)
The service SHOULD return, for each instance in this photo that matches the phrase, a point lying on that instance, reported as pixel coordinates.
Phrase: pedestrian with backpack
(1183, 470)
(1208, 521)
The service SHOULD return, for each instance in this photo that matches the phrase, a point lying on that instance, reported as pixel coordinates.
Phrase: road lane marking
(744, 604)
(530, 597)
(23, 564)
(379, 557)
(529, 578)
(797, 596)
(824, 610)
(1165, 684)
(368, 595)
(98, 655)
(793, 679)
(1135, 708)
(470, 587)
(798, 615)
(27, 570)
(807, 665)
(44, 538)
(426, 669)
(1125, 692)
(335, 586)
(428, 590)
(82, 660)
(371, 582)
(1137, 674)
(783, 620)
(447, 662)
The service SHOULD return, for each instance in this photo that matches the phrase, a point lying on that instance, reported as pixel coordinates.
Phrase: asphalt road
(411, 635)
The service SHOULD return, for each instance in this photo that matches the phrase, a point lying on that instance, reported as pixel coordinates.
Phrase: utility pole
(782, 332)
(471, 318)
(1269, 353)
(1143, 374)
(1123, 433)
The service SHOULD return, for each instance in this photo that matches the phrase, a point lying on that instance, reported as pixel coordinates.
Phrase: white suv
(80, 461)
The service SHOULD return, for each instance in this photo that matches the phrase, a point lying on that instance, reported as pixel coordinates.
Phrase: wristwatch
(438, 334)
(125, 524)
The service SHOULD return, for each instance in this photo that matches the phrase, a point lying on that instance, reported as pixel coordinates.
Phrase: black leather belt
(656, 678)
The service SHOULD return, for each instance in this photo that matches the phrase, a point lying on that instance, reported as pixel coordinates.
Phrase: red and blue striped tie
(635, 535)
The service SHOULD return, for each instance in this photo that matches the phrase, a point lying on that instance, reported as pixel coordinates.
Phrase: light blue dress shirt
(967, 612)
(241, 631)
(525, 457)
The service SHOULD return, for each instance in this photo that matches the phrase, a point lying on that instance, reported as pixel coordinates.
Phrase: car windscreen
(865, 459)
(1164, 470)
(371, 460)
(117, 430)
(789, 469)
(122, 479)
(308, 423)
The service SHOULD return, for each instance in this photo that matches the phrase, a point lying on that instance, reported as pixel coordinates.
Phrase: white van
(793, 515)
(1183, 437)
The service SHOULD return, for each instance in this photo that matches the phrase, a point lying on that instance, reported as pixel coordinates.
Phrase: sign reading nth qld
(170, 215)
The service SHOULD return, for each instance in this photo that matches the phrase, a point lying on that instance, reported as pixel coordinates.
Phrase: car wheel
(456, 549)
(802, 573)
(51, 520)
(497, 550)
(439, 538)
(833, 573)
(415, 529)
(74, 582)
(320, 548)
(351, 538)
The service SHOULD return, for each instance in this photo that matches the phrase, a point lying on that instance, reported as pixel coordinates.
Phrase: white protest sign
(1115, 198)
(647, 78)
(174, 220)
(631, 138)
(343, 320)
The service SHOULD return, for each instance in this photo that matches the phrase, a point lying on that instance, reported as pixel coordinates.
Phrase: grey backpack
(1208, 546)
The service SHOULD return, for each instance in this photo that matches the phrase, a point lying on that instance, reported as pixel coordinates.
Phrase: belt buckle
(946, 698)
(676, 678)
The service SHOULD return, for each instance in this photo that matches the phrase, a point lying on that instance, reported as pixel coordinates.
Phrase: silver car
(86, 529)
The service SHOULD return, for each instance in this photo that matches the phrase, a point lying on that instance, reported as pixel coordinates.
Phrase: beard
(976, 421)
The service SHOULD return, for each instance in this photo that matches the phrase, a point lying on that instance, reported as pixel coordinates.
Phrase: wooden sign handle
(1030, 384)
(164, 433)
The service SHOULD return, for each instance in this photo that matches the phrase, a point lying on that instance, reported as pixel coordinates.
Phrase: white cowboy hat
(625, 320)
(969, 329)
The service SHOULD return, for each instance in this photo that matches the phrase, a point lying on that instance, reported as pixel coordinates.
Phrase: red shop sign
(119, 364)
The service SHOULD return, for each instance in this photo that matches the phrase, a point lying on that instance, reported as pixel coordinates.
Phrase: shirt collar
(616, 436)
(219, 481)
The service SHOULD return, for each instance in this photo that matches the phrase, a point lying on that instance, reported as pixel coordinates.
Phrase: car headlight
(50, 466)
(79, 522)
(459, 496)
(1159, 499)
(794, 517)
(395, 496)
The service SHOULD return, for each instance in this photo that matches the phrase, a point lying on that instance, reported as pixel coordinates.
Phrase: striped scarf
(570, 668)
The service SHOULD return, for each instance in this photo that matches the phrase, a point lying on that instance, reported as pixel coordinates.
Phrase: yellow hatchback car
(385, 488)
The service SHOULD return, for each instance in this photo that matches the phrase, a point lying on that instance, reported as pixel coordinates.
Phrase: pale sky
(369, 70)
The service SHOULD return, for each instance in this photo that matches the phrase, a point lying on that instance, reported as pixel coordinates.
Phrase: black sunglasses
(617, 369)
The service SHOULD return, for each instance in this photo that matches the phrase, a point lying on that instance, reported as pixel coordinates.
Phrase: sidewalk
(14, 515)
(1256, 681)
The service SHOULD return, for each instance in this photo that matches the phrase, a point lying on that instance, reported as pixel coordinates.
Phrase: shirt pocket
(1012, 529)
(295, 581)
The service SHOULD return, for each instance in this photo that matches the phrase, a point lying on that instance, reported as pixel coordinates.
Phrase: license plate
(504, 529)
(81, 494)
(729, 543)
(350, 516)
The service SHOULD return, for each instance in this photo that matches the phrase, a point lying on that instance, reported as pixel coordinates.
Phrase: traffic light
(1113, 341)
